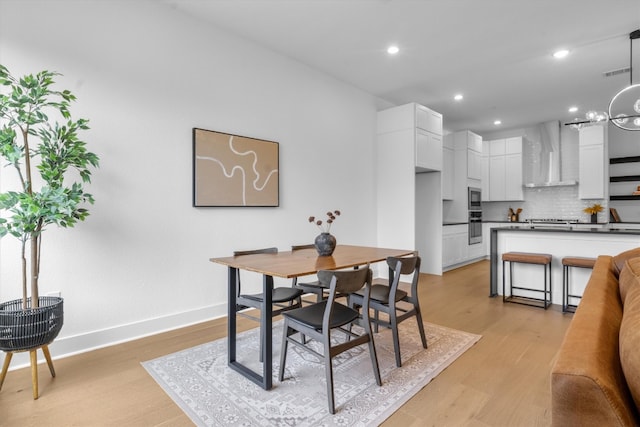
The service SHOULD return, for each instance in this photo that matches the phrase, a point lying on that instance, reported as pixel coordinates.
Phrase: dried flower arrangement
(325, 227)
(593, 209)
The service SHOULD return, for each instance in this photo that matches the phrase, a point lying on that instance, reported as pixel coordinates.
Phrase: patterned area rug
(211, 394)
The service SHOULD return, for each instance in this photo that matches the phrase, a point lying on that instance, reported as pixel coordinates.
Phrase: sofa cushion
(587, 382)
(630, 342)
(619, 260)
(629, 277)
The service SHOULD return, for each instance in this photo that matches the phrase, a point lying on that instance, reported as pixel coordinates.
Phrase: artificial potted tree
(52, 165)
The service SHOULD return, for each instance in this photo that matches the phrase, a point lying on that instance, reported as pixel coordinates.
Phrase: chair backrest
(256, 251)
(409, 264)
(404, 266)
(299, 247)
(272, 250)
(345, 282)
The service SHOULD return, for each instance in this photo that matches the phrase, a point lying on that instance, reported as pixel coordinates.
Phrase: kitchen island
(559, 242)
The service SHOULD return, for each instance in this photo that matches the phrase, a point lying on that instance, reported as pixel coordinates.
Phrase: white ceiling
(496, 52)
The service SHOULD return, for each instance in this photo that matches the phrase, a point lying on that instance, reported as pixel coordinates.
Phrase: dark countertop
(566, 229)
(527, 222)
(455, 223)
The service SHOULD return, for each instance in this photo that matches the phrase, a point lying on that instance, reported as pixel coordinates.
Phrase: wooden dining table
(288, 264)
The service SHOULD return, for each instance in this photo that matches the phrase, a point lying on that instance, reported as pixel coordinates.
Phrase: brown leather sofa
(596, 378)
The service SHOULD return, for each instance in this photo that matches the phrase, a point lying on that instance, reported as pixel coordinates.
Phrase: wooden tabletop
(304, 262)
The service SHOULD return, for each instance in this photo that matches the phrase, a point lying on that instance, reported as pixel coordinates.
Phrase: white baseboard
(462, 264)
(66, 346)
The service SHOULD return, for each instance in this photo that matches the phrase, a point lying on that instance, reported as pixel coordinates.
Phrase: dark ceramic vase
(325, 244)
(594, 218)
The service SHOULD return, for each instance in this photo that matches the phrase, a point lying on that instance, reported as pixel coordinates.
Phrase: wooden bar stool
(578, 262)
(527, 258)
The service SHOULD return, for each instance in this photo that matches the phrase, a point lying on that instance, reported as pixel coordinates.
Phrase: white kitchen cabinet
(456, 248)
(474, 165)
(476, 250)
(474, 156)
(455, 242)
(592, 158)
(422, 126)
(505, 170)
(428, 120)
(469, 145)
(496, 147)
(448, 171)
(497, 173)
(485, 173)
(513, 177)
(428, 151)
(513, 145)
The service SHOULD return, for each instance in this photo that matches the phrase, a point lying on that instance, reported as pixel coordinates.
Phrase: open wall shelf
(631, 159)
(624, 178)
(629, 197)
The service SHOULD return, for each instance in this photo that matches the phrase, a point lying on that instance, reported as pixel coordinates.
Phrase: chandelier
(624, 108)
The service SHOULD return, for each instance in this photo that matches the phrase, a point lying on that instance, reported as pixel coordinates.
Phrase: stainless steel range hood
(547, 160)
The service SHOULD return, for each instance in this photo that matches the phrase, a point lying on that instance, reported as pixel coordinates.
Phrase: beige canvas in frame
(232, 170)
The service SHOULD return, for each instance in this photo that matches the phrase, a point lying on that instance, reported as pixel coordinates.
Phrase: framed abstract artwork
(233, 170)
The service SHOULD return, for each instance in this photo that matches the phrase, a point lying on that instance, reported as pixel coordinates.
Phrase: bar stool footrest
(534, 302)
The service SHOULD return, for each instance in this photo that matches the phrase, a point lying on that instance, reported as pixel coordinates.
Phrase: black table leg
(266, 379)
(231, 315)
(493, 275)
(266, 322)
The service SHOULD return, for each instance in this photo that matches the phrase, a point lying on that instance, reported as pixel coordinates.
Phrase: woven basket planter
(31, 328)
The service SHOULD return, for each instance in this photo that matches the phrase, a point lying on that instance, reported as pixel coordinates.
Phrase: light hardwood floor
(503, 380)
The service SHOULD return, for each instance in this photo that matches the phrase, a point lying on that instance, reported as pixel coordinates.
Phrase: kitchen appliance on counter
(514, 216)
(475, 227)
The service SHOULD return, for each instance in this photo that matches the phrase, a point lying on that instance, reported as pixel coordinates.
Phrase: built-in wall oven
(475, 227)
(475, 199)
(475, 215)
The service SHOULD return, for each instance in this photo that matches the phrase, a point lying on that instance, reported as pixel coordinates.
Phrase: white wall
(145, 75)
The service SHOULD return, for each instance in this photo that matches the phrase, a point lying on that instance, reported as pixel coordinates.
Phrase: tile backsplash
(546, 202)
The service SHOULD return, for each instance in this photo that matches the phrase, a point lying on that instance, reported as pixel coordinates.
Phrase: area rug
(212, 394)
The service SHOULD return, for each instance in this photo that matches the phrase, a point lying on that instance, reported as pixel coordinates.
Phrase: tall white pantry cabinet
(409, 182)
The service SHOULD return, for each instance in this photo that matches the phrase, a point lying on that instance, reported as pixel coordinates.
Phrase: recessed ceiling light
(573, 109)
(497, 122)
(392, 50)
(559, 54)
(458, 97)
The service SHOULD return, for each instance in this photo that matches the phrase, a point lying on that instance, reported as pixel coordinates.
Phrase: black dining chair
(381, 300)
(321, 320)
(283, 297)
(313, 287)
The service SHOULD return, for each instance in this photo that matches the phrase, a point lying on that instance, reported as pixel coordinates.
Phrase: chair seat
(311, 315)
(380, 293)
(281, 294)
(312, 287)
